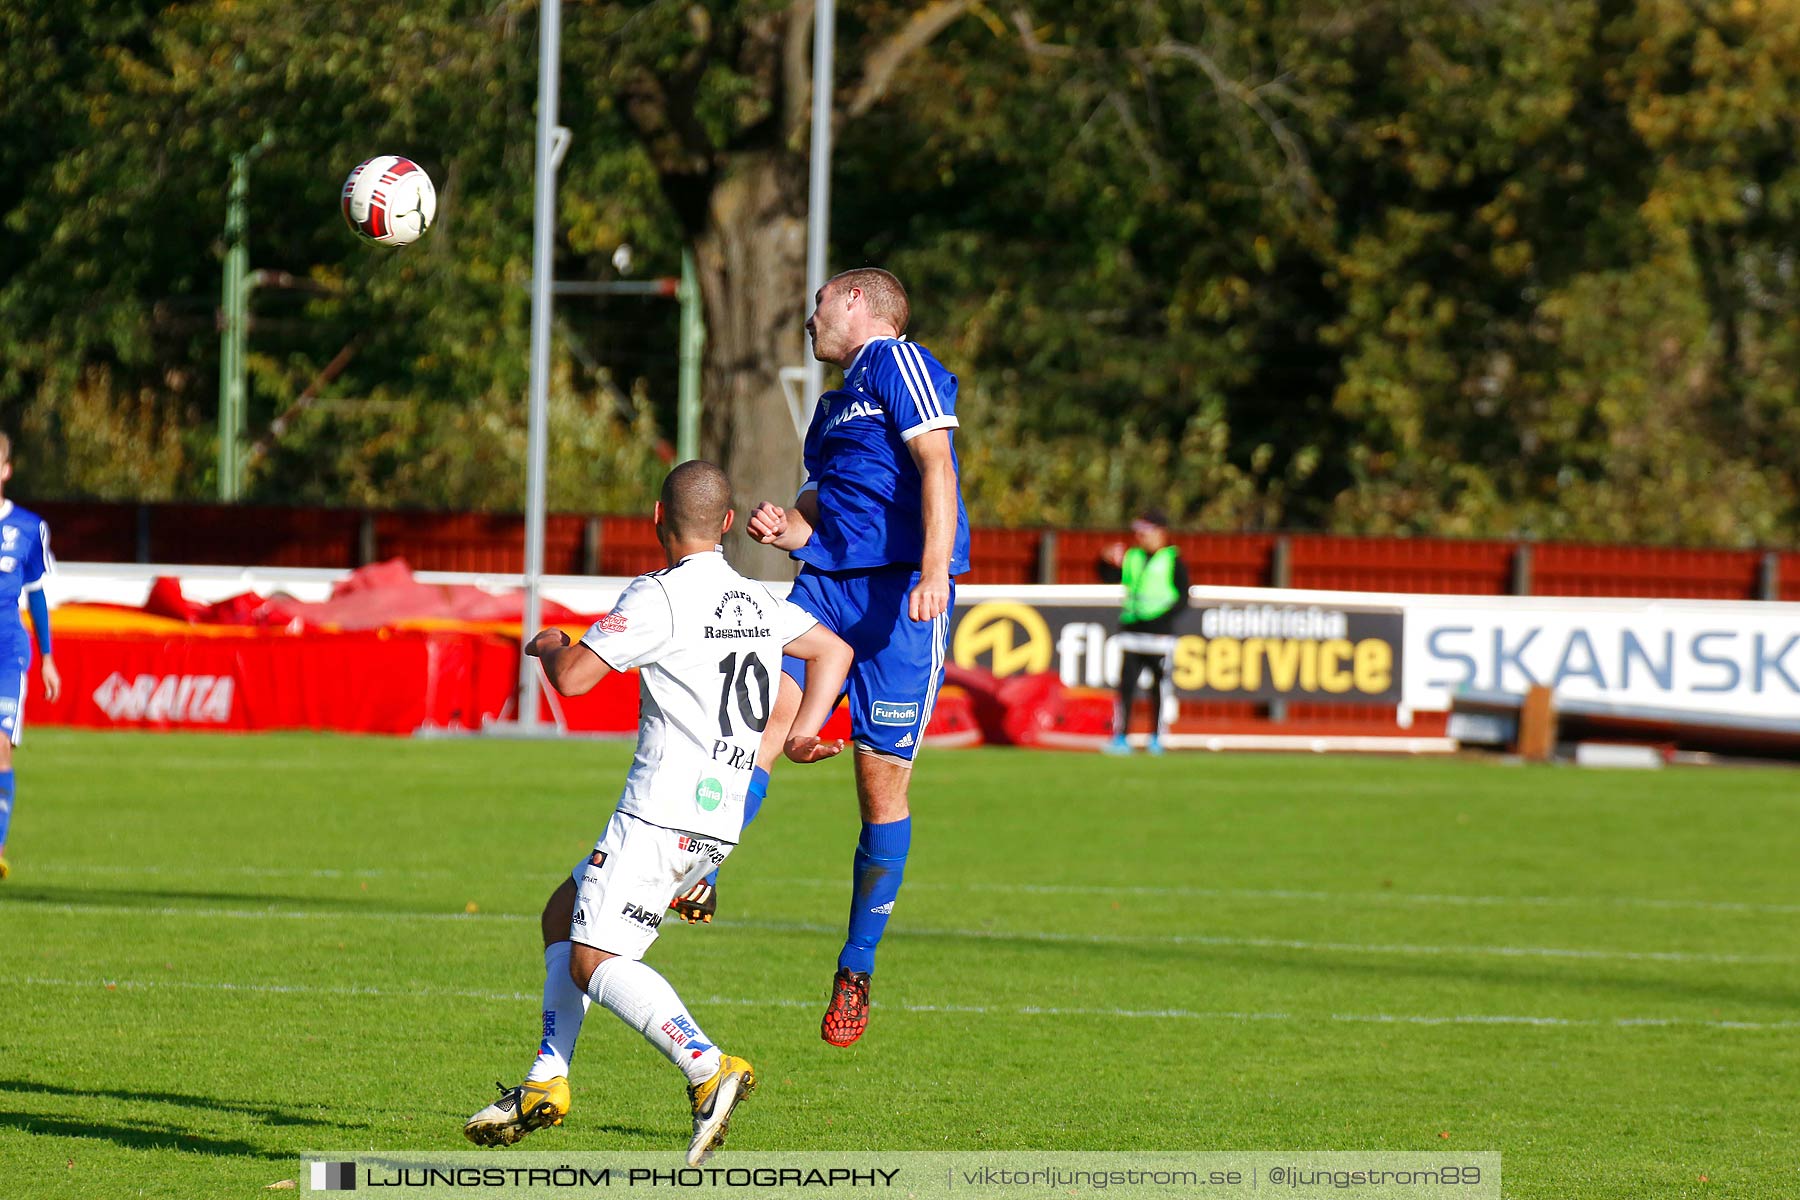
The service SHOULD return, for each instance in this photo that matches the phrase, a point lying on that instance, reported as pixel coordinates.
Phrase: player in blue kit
(880, 529)
(24, 561)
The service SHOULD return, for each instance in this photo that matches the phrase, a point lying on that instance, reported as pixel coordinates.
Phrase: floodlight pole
(552, 140)
(693, 341)
(234, 320)
(818, 204)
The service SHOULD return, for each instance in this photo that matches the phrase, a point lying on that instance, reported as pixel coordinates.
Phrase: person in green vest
(1156, 590)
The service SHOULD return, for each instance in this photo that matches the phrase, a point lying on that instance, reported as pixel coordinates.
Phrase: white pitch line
(1024, 935)
(1672, 956)
(1001, 888)
(1024, 1010)
(186, 871)
(268, 914)
(1421, 898)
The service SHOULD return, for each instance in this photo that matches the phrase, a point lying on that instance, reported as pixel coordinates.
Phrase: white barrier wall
(1715, 657)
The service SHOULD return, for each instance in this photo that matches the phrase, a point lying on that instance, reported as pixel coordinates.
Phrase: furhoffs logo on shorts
(889, 712)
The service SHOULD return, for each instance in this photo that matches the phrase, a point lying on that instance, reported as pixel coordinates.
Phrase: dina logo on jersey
(710, 794)
(888, 712)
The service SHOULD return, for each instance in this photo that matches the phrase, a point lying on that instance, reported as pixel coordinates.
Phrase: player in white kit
(708, 645)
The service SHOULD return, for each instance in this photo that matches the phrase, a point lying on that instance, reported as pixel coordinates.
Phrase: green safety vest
(1149, 580)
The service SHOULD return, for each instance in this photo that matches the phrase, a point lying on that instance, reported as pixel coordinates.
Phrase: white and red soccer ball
(389, 200)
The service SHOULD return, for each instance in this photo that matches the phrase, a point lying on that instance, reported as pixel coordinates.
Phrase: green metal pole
(693, 340)
(234, 328)
(231, 324)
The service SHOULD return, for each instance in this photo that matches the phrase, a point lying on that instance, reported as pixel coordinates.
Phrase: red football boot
(848, 1014)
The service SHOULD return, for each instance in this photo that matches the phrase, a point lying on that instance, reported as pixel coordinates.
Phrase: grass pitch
(222, 951)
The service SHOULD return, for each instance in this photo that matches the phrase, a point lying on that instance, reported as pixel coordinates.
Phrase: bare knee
(584, 961)
(5, 753)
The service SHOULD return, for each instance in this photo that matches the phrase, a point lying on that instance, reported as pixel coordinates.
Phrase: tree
(717, 96)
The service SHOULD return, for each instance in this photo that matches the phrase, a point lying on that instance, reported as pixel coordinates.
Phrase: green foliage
(1493, 269)
(1498, 269)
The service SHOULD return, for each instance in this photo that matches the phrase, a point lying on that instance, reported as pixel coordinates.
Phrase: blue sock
(880, 866)
(6, 803)
(753, 801)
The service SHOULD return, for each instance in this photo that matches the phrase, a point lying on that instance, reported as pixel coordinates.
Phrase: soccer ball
(389, 200)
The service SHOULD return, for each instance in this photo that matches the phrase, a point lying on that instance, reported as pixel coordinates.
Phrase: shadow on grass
(162, 898)
(267, 1113)
(1636, 979)
(149, 1134)
(144, 1135)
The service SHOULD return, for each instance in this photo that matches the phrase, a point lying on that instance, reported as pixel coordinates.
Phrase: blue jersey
(870, 507)
(24, 561)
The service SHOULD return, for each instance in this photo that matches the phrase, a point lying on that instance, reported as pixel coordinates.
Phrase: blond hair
(885, 296)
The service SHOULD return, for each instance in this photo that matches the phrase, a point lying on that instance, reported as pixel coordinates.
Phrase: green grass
(222, 951)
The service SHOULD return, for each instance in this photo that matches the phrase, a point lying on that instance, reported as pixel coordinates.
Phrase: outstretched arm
(571, 669)
(827, 659)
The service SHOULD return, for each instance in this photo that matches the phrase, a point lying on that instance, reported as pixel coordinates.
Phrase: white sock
(564, 1006)
(642, 999)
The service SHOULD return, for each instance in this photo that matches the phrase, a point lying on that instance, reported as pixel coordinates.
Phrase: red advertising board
(379, 682)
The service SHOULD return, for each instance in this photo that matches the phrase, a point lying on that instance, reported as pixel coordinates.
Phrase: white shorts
(624, 886)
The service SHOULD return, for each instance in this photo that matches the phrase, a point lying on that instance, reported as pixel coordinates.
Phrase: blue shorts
(899, 663)
(12, 695)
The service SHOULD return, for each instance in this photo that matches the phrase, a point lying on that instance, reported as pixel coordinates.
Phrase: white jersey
(708, 645)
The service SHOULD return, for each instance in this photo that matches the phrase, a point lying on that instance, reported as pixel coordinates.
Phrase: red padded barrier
(1400, 565)
(1564, 570)
(1217, 559)
(249, 535)
(628, 546)
(83, 531)
(378, 682)
(245, 535)
(1228, 559)
(1003, 556)
(493, 543)
(1077, 550)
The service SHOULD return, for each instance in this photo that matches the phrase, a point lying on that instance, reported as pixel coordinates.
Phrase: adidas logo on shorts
(904, 742)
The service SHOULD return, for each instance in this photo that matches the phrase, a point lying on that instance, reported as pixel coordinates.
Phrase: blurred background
(1484, 270)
